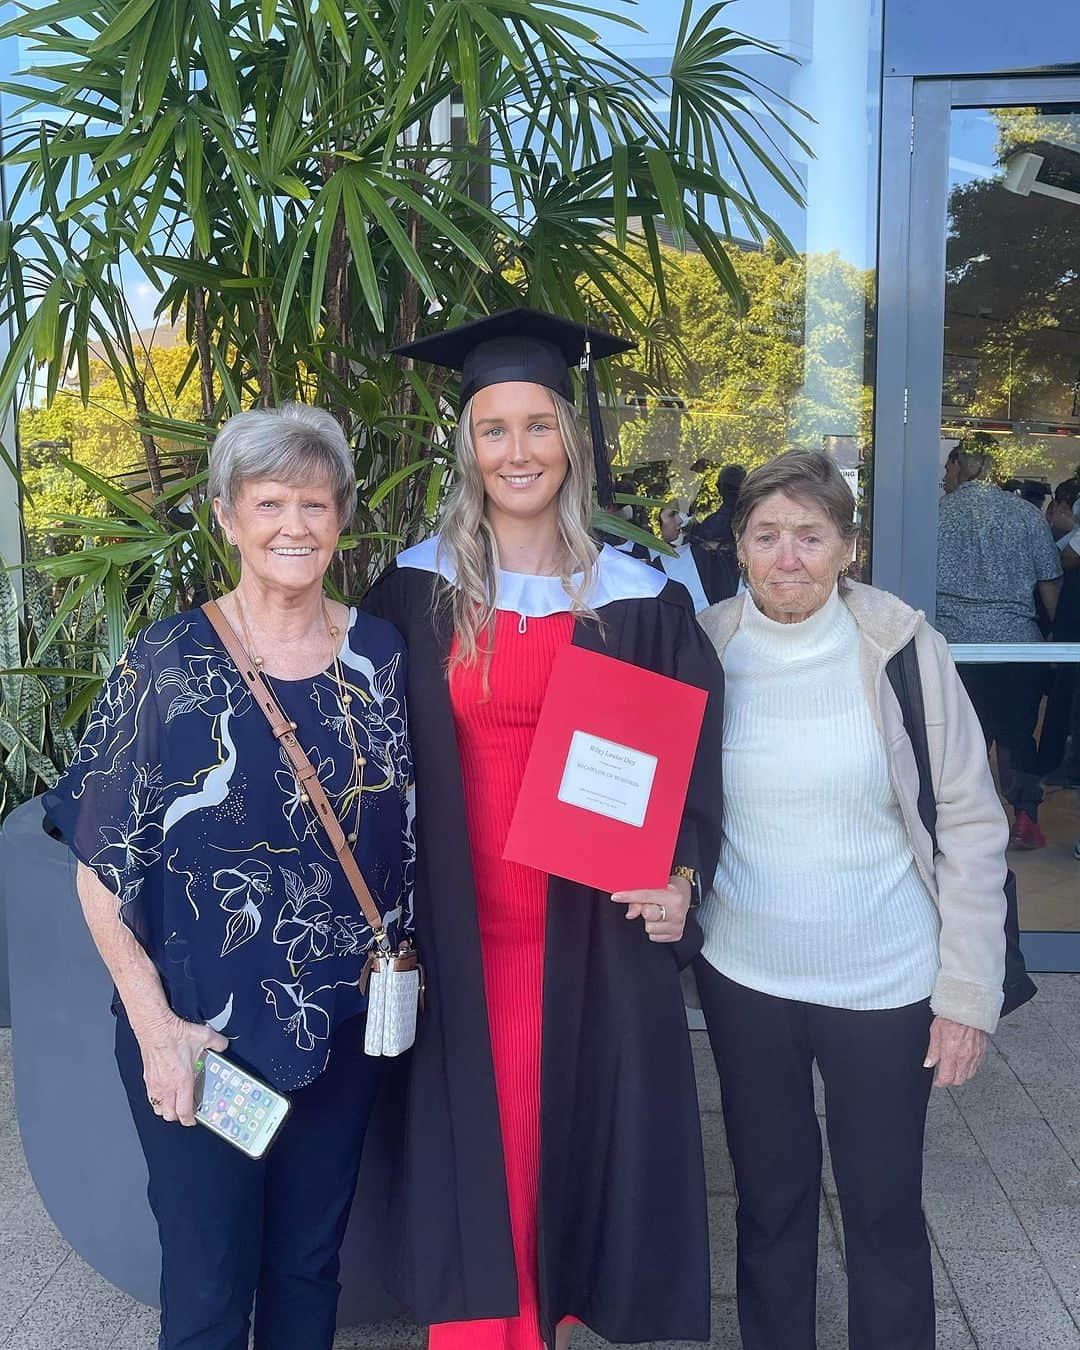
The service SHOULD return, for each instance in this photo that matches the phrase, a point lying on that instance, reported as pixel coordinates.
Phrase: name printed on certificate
(608, 779)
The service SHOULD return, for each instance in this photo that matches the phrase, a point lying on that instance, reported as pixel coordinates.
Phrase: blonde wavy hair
(467, 541)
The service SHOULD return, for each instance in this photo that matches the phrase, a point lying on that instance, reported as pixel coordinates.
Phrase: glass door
(986, 438)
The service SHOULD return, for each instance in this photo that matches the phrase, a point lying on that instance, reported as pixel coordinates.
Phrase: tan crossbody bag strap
(306, 776)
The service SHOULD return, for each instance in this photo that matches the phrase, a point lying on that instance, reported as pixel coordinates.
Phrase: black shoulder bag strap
(906, 680)
(904, 676)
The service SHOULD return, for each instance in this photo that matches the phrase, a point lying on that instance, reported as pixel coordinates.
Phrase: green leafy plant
(50, 667)
(307, 185)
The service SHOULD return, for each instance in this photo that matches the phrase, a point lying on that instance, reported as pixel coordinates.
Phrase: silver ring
(663, 914)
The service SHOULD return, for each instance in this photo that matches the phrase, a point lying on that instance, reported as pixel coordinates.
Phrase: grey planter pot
(73, 1115)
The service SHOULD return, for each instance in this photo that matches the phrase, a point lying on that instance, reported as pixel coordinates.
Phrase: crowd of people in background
(699, 553)
(1008, 572)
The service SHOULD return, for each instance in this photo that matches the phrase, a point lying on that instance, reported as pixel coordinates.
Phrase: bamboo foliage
(283, 174)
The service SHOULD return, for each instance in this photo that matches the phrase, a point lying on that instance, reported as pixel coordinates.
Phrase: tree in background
(101, 434)
(1014, 300)
(746, 382)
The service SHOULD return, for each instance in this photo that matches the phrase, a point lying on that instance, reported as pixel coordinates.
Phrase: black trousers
(876, 1095)
(235, 1231)
(1007, 699)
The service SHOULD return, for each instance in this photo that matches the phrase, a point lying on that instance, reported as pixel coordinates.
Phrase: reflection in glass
(1008, 536)
(792, 369)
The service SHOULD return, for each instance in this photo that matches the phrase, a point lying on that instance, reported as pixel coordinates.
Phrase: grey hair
(805, 474)
(291, 444)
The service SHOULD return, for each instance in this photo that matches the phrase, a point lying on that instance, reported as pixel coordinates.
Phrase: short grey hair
(292, 444)
(805, 474)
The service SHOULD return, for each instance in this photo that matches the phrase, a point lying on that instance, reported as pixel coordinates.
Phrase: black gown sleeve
(698, 842)
(383, 600)
(696, 662)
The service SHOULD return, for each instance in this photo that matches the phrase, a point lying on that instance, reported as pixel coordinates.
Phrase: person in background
(706, 570)
(994, 552)
(716, 528)
(834, 934)
(1069, 544)
(218, 904)
(1031, 490)
(1059, 737)
(1061, 514)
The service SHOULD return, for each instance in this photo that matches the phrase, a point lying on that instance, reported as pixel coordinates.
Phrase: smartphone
(238, 1107)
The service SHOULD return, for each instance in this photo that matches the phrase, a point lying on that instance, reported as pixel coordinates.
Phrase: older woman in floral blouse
(218, 904)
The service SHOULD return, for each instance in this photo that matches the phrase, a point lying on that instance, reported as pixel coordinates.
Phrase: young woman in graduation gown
(552, 1165)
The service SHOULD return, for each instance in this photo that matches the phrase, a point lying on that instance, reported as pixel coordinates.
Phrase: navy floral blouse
(187, 809)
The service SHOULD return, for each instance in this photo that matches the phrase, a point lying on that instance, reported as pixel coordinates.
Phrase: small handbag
(392, 979)
(904, 676)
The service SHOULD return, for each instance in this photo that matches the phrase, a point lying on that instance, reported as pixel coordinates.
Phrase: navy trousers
(876, 1095)
(235, 1231)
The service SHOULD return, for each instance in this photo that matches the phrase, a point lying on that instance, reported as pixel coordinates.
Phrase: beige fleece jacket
(967, 877)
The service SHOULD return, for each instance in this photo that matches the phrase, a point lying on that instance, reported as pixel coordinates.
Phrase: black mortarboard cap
(528, 345)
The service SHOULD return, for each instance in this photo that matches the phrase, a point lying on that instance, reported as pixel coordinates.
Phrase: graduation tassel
(605, 490)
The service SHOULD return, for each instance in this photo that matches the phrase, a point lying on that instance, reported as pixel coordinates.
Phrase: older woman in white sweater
(833, 934)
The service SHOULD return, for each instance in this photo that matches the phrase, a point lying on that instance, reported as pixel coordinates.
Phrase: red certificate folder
(605, 785)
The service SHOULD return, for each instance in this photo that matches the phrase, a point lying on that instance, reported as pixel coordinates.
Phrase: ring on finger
(662, 917)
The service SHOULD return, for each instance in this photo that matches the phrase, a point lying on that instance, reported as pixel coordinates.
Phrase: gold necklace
(355, 787)
(345, 701)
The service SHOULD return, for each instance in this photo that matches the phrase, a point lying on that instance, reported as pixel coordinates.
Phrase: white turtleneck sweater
(816, 896)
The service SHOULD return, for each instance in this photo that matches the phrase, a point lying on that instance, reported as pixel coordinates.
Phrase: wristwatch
(690, 875)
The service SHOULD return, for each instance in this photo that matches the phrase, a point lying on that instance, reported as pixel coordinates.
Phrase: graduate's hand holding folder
(606, 782)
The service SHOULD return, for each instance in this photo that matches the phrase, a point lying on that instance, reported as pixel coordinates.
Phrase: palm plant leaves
(283, 173)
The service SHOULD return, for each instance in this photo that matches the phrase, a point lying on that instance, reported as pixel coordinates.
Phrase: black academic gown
(623, 1232)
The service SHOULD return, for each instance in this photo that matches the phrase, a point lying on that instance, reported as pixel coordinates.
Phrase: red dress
(494, 735)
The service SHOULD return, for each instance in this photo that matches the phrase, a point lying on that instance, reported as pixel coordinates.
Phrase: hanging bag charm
(391, 978)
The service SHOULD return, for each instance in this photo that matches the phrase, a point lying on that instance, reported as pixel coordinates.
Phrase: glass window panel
(1008, 520)
(795, 369)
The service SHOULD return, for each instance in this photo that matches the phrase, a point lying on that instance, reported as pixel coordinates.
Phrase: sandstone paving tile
(17, 1189)
(953, 1332)
(1063, 1019)
(995, 1093)
(1055, 1233)
(946, 1126)
(1029, 1162)
(392, 1334)
(77, 1310)
(831, 1285)
(29, 1257)
(1059, 1104)
(708, 1084)
(1056, 988)
(719, 1178)
(945, 1298)
(725, 1334)
(139, 1332)
(1010, 1302)
(1035, 1049)
(828, 1176)
(722, 1245)
(966, 1206)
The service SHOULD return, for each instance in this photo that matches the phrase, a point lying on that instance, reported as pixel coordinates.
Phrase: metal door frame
(913, 204)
